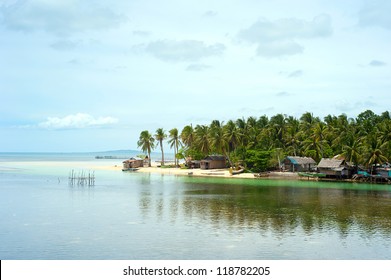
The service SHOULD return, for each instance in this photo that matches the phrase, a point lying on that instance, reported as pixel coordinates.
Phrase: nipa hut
(213, 162)
(133, 162)
(299, 164)
(333, 167)
(190, 163)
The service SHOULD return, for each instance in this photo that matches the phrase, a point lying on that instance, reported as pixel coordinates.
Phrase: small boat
(236, 171)
(129, 169)
(261, 174)
(311, 174)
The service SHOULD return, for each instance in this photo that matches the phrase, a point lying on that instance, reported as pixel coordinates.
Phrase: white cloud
(279, 48)
(277, 38)
(79, 120)
(185, 50)
(377, 63)
(141, 33)
(58, 17)
(349, 106)
(197, 67)
(210, 13)
(64, 45)
(295, 74)
(376, 13)
(282, 94)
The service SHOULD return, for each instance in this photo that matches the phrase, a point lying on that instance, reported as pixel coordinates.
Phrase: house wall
(133, 163)
(289, 166)
(328, 171)
(137, 163)
(347, 173)
(212, 164)
(217, 164)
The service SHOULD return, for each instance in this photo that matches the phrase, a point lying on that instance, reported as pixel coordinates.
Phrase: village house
(299, 164)
(384, 171)
(134, 162)
(337, 168)
(213, 162)
(190, 163)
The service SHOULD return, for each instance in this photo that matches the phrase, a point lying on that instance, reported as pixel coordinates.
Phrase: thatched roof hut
(133, 162)
(334, 167)
(213, 162)
(299, 164)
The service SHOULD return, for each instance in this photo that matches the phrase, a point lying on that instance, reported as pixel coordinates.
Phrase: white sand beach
(209, 173)
(193, 172)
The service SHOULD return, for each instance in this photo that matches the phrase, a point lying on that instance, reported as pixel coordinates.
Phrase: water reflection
(281, 209)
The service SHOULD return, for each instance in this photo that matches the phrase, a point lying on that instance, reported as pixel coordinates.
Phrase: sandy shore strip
(211, 173)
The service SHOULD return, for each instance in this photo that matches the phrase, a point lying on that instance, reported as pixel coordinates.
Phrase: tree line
(260, 143)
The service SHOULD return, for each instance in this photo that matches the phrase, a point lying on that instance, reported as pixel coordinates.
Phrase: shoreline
(219, 173)
(114, 166)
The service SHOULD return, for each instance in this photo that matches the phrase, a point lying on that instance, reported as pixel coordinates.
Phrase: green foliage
(257, 161)
(261, 142)
(194, 154)
(147, 143)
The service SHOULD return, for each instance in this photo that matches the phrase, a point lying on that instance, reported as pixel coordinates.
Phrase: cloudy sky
(91, 75)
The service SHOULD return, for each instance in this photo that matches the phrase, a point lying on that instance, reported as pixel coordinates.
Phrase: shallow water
(152, 216)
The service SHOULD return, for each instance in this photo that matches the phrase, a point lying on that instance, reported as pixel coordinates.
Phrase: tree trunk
(161, 146)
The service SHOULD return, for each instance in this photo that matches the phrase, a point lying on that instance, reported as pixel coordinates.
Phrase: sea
(146, 216)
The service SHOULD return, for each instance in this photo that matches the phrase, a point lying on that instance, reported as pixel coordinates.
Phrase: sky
(82, 76)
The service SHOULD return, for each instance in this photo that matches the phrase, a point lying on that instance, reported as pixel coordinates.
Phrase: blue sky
(91, 75)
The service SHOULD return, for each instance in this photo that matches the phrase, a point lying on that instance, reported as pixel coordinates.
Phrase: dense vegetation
(260, 143)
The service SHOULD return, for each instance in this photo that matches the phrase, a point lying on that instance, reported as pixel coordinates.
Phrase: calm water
(150, 216)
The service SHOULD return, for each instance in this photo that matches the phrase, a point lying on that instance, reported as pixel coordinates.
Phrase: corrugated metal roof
(301, 160)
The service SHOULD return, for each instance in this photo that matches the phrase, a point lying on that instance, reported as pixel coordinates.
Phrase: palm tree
(242, 127)
(314, 144)
(340, 132)
(292, 136)
(385, 135)
(232, 134)
(201, 140)
(160, 136)
(277, 130)
(374, 154)
(147, 143)
(187, 136)
(217, 139)
(307, 120)
(174, 143)
(352, 145)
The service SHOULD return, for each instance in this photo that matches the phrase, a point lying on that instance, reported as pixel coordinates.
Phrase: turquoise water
(152, 216)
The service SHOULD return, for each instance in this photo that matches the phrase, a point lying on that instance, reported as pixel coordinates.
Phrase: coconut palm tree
(174, 143)
(277, 129)
(307, 121)
(187, 136)
(352, 145)
(292, 142)
(217, 138)
(374, 153)
(147, 143)
(201, 140)
(160, 136)
(385, 136)
(315, 142)
(232, 134)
